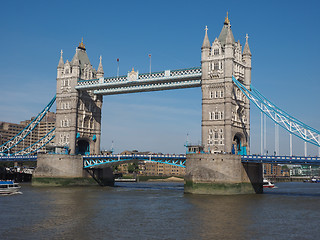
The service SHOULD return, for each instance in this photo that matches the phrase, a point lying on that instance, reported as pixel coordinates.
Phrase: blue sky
(283, 37)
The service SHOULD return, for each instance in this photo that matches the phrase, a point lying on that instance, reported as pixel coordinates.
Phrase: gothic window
(216, 94)
(211, 94)
(211, 114)
(66, 83)
(221, 94)
(216, 66)
(216, 52)
(216, 116)
(216, 135)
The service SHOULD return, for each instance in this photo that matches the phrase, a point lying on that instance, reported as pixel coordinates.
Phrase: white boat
(8, 187)
(267, 184)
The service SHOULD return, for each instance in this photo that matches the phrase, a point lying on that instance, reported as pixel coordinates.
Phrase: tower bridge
(225, 81)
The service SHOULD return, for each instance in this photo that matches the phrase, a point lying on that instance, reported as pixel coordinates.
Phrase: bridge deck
(177, 160)
(165, 80)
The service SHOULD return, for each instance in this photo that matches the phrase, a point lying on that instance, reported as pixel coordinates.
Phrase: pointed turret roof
(100, 68)
(206, 42)
(224, 32)
(61, 63)
(81, 57)
(229, 37)
(246, 49)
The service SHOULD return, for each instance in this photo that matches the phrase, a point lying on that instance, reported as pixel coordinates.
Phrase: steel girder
(27, 130)
(280, 117)
(37, 145)
(299, 160)
(19, 158)
(95, 160)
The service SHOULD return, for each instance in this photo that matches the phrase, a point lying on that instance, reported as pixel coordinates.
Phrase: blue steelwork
(176, 160)
(180, 160)
(95, 160)
(165, 80)
(4, 148)
(296, 160)
(280, 117)
(37, 145)
(20, 158)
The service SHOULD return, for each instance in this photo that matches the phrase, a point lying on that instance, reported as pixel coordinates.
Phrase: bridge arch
(83, 146)
(239, 144)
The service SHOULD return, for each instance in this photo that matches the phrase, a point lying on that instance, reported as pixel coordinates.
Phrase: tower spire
(226, 20)
(246, 49)
(61, 64)
(206, 42)
(100, 69)
(81, 45)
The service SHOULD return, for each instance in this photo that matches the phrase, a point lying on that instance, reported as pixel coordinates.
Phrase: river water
(160, 211)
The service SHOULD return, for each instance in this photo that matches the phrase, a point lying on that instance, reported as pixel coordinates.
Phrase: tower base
(60, 170)
(222, 174)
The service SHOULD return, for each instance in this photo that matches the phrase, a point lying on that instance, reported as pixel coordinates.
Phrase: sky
(283, 38)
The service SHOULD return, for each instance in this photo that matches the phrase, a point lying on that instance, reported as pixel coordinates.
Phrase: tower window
(211, 114)
(216, 52)
(216, 66)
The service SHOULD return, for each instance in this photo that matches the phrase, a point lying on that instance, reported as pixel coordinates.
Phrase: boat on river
(268, 184)
(313, 180)
(8, 187)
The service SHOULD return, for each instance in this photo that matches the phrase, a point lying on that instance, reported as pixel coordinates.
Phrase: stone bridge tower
(78, 119)
(225, 110)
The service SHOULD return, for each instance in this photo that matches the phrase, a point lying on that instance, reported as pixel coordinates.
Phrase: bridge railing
(169, 75)
(94, 160)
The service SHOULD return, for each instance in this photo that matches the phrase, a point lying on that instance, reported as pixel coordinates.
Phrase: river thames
(159, 211)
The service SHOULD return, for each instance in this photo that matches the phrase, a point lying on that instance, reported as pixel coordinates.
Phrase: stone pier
(221, 174)
(60, 170)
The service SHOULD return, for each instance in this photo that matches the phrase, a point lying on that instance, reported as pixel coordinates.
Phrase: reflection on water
(160, 211)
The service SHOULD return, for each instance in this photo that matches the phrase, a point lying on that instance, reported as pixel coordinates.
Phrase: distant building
(151, 168)
(272, 170)
(10, 130)
(160, 169)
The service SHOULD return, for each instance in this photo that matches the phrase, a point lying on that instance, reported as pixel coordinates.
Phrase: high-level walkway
(135, 82)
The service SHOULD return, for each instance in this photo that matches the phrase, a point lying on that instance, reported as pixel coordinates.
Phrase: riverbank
(63, 182)
(154, 178)
(289, 179)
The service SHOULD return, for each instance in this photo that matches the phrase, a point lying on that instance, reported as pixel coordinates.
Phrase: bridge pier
(60, 170)
(221, 174)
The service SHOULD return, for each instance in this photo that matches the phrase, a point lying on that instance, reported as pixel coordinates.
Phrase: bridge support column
(222, 174)
(60, 170)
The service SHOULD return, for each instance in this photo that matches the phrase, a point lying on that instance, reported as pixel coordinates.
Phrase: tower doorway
(83, 147)
(240, 149)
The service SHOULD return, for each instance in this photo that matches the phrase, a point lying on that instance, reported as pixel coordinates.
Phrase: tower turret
(246, 56)
(205, 52)
(100, 72)
(60, 65)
